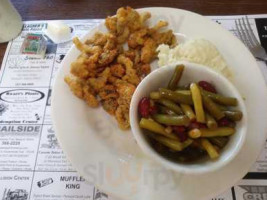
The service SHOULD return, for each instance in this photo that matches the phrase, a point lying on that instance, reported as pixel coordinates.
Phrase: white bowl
(192, 73)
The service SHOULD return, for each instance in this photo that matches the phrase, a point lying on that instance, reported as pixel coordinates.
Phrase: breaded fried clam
(117, 70)
(82, 90)
(107, 57)
(144, 17)
(75, 85)
(80, 70)
(84, 47)
(122, 116)
(148, 51)
(137, 38)
(143, 70)
(124, 36)
(111, 24)
(111, 42)
(108, 91)
(98, 83)
(110, 105)
(131, 75)
(125, 91)
(157, 27)
(164, 37)
(98, 39)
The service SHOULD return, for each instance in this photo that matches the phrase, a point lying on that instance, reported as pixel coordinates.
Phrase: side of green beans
(212, 108)
(188, 111)
(233, 115)
(181, 120)
(211, 122)
(176, 77)
(171, 105)
(227, 101)
(175, 96)
(155, 127)
(154, 95)
(219, 141)
(177, 113)
(218, 132)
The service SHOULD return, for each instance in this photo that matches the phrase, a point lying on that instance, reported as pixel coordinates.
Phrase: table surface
(81, 9)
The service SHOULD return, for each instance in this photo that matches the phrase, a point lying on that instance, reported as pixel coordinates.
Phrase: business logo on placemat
(51, 140)
(254, 192)
(17, 194)
(44, 182)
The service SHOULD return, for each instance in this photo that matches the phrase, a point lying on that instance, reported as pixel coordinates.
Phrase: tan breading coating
(117, 70)
(106, 73)
(148, 52)
(82, 90)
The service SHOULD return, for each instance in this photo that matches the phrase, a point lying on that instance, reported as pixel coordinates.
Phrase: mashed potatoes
(199, 51)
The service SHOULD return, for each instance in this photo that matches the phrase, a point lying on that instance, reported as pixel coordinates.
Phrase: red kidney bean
(197, 125)
(207, 86)
(182, 136)
(180, 131)
(226, 122)
(153, 110)
(144, 107)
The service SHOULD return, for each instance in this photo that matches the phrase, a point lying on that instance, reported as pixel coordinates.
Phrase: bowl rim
(179, 167)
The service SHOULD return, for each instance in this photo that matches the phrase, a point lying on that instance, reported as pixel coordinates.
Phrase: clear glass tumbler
(10, 21)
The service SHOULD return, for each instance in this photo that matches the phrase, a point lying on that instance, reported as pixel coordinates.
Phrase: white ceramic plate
(110, 158)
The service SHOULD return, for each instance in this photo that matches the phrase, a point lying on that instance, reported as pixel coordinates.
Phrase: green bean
(222, 108)
(211, 122)
(176, 77)
(155, 127)
(187, 143)
(184, 87)
(209, 148)
(165, 110)
(172, 144)
(154, 95)
(233, 115)
(211, 107)
(175, 96)
(184, 92)
(196, 144)
(181, 120)
(227, 101)
(188, 111)
(197, 100)
(219, 141)
(218, 132)
(171, 105)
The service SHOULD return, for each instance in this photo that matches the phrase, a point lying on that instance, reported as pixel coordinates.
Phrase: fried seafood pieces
(105, 72)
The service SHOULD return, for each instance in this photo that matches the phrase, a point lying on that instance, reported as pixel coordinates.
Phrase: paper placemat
(32, 164)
